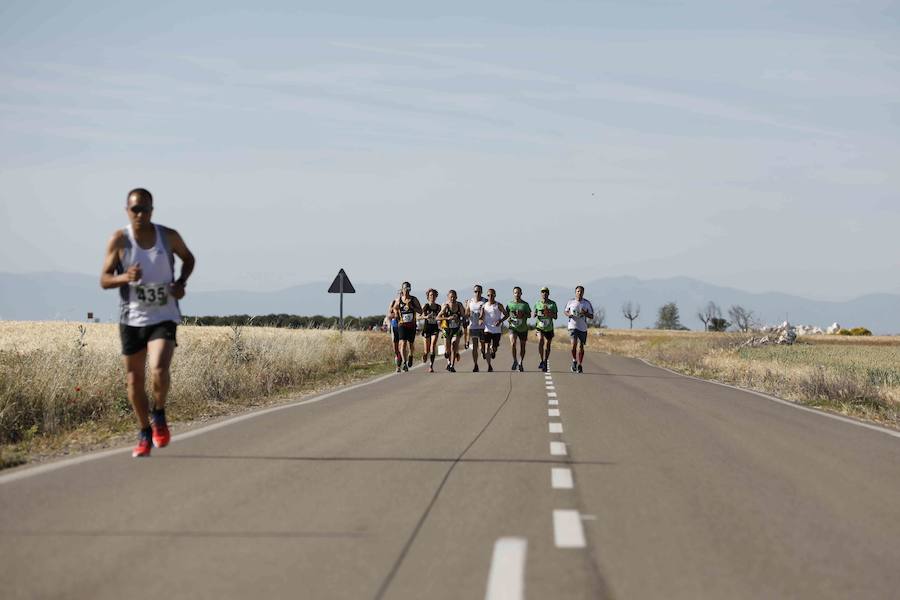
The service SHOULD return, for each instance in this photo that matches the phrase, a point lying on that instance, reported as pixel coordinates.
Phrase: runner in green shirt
(519, 313)
(546, 311)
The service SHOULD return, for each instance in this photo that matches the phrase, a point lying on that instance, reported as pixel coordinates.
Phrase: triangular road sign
(336, 287)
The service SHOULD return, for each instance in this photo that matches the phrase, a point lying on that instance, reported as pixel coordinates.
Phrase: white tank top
(148, 301)
(492, 316)
(475, 310)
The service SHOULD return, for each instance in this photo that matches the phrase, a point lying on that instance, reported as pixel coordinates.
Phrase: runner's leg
(134, 381)
(159, 354)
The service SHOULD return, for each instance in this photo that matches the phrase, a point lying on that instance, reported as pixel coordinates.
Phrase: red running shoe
(142, 448)
(161, 435)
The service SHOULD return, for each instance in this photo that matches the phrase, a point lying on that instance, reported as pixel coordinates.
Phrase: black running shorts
(430, 329)
(135, 339)
(547, 335)
(406, 334)
(522, 335)
(492, 338)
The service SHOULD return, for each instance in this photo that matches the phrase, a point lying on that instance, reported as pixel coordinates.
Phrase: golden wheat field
(856, 376)
(56, 377)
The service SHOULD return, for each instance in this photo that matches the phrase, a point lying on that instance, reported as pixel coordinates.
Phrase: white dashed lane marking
(556, 428)
(551, 394)
(567, 529)
(552, 412)
(506, 580)
(558, 448)
(553, 402)
(561, 478)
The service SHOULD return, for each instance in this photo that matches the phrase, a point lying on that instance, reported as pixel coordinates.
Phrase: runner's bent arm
(108, 277)
(180, 249)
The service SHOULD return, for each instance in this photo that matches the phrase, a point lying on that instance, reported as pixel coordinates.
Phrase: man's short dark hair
(517, 288)
(141, 193)
(579, 287)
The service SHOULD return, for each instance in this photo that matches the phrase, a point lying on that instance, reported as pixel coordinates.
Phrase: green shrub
(855, 331)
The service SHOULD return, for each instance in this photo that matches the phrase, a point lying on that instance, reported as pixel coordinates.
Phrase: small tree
(631, 312)
(708, 313)
(668, 317)
(742, 318)
(599, 320)
(718, 324)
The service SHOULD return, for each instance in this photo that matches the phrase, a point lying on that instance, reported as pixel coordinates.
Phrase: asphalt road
(444, 486)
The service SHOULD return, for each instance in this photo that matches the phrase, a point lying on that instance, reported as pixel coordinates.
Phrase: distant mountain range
(69, 296)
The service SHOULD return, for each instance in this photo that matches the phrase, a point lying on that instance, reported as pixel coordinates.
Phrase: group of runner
(479, 322)
(139, 262)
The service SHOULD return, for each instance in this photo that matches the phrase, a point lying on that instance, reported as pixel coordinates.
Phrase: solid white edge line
(568, 531)
(506, 579)
(808, 409)
(556, 427)
(561, 478)
(552, 412)
(60, 464)
(558, 449)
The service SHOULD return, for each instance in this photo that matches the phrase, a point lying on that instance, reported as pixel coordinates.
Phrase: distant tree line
(288, 321)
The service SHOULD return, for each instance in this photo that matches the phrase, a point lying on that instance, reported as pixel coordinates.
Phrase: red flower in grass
(77, 389)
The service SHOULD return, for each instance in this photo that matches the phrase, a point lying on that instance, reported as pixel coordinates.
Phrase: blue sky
(750, 144)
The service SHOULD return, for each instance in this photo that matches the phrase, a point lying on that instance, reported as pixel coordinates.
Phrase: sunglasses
(140, 209)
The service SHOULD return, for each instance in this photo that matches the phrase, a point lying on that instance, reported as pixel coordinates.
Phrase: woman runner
(430, 327)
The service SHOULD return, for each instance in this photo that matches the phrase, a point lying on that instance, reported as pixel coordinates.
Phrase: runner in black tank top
(451, 319)
(430, 329)
(407, 307)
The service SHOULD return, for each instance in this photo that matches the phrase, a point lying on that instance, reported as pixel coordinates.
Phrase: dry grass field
(62, 384)
(855, 376)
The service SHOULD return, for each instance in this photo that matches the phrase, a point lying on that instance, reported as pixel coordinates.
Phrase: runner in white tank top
(140, 262)
(493, 314)
(476, 323)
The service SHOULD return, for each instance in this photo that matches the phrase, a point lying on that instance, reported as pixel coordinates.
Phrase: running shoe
(398, 369)
(160, 434)
(494, 353)
(515, 365)
(490, 369)
(467, 346)
(409, 361)
(521, 368)
(542, 366)
(142, 448)
(574, 366)
(580, 369)
(475, 369)
(453, 369)
(405, 368)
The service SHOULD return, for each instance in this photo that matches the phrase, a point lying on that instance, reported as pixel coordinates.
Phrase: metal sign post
(341, 285)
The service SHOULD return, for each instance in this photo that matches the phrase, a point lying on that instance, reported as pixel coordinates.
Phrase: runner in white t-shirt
(579, 311)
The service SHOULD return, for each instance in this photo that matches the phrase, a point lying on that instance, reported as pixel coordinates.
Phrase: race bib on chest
(407, 317)
(514, 322)
(152, 294)
(431, 320)
(453, 323)
(546, 321)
